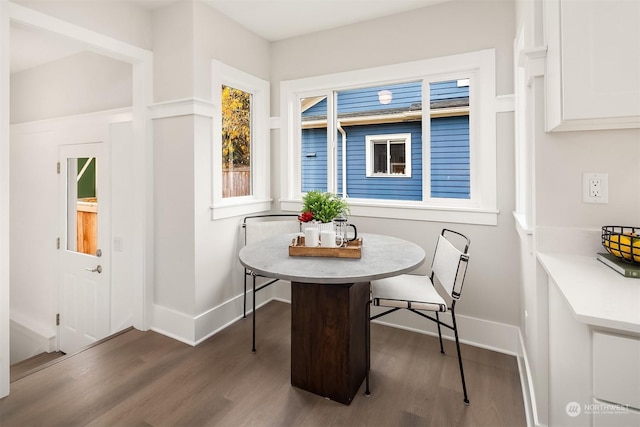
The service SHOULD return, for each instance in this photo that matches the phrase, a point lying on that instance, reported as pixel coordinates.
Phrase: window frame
(478, 66)
(398, 138)
(260, 199)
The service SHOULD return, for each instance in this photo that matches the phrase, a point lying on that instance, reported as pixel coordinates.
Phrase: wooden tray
(352, 250)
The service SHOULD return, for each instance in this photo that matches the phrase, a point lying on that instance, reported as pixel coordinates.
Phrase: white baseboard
(193, 330)
(172, 323)
(218, 318)
(528, 391)
(481, 333)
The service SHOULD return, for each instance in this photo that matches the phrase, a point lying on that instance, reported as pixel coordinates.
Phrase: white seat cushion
(407, 291)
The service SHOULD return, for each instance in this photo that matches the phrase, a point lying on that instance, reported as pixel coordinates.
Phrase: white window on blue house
(367, 153)
(420, 146)
(388, 155)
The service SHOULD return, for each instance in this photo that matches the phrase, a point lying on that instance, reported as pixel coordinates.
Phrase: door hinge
(58, 243)
(58, 168)
(58, 319)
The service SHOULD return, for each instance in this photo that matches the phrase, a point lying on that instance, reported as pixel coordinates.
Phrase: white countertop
(596, 294)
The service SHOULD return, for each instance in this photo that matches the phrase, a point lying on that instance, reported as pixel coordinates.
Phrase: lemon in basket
(636, 250)
(620, 246)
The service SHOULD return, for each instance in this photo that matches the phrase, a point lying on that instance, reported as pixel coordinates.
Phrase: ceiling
(272, 20)
(280, 19)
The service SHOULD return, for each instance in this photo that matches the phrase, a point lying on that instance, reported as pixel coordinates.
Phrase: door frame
(142, 150)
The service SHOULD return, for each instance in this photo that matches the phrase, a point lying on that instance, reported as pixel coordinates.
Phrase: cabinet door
(593, 64)
(569, 364)
(607, 415)
(616, 369)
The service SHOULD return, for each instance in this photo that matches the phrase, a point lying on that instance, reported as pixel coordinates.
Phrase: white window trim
(260, 200)
(479, 66)
(373, 139)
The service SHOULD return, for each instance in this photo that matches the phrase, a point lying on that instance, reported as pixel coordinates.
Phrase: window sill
(228, 209)
(413, 212)
(522, 225)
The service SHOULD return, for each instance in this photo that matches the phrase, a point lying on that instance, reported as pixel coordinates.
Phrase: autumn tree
(236, 128)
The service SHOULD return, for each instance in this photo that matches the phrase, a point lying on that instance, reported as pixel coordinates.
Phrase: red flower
(305, 216)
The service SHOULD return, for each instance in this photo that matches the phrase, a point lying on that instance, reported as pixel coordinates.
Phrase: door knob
(98, 269)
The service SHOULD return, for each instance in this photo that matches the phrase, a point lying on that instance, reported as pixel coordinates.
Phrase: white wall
(491, 292)
(440, 30)
(35, 215)
(218, 37)
(173, 214)
(123, 201)
(172, 29)
(198, 278)
(34, 227)
(78, 84)
(562, 157)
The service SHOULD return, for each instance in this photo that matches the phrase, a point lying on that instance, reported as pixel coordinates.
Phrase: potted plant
(321, 206)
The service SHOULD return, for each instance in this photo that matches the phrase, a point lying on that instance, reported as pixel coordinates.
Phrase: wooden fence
(236, 182)
(87, 226)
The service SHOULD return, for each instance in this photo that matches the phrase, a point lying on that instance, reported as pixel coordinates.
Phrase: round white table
(329, 306)
(382, 256)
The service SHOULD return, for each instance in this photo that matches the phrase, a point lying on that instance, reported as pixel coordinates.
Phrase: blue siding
(314, 169)
(440, 91)
(404, 95)
(450, 176)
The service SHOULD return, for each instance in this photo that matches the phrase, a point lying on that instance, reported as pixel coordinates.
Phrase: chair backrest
(260, 227)
(450, 263)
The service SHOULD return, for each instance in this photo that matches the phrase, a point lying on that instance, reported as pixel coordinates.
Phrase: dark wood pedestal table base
(329, 311)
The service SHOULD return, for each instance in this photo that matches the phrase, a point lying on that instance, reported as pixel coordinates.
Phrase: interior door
(84, 287)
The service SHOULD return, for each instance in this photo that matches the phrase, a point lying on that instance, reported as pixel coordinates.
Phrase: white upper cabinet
(593, 64)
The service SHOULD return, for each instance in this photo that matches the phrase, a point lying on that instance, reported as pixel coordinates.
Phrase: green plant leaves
(324, 206)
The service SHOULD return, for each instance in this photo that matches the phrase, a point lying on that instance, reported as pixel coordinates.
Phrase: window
(240, 143)
(236, 142)
(388, 155)
(414, 140)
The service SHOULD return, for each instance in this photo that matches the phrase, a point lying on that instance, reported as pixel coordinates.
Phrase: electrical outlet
(595, 187)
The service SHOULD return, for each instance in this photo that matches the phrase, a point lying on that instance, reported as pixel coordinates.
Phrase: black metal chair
(256, 228)
(418, 293)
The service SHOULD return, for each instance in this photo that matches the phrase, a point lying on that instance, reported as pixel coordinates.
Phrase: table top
(382, 256)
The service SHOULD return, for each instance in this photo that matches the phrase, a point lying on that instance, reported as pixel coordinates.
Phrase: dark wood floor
(36, 362)
(146, 379)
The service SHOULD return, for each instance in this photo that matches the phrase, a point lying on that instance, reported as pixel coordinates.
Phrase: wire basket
(622, 242)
